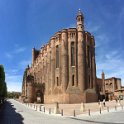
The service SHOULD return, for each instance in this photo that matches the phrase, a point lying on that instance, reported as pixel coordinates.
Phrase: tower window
(72, 80)
(57, 56)
(72, 54)
(78, 19)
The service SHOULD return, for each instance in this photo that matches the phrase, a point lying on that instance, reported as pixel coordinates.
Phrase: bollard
(40, 108)
(108, 109)
(115, 108)
(100, 110)
(36, 107)
(89, 112)
(74, 113)
(122, 107)
(44, 109)
(62, 112)
(49, 110)
(100, 105)
(56, 109)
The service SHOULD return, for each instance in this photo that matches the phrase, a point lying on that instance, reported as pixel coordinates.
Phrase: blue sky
(25, 24)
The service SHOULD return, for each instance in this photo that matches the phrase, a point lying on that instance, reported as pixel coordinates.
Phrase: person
(104, 102)
(99, 102)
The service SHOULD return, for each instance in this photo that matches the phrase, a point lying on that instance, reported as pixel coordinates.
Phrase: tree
(3, 87)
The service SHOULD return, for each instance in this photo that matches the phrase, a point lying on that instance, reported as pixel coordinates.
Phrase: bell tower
(81, 51)
(80, 21)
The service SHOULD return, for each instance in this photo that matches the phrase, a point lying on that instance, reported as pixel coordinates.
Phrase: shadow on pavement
(8, 115)
(96, 122)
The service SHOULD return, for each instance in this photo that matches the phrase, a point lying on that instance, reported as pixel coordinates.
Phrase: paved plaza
(14, 112)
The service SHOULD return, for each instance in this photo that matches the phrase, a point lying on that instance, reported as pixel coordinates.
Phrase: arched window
(57, 56)
(89, 81)
(88, 55)
(72, 54)
(72, 80)
(57, 81)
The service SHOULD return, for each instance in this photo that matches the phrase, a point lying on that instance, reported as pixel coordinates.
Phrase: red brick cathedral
(64, 70)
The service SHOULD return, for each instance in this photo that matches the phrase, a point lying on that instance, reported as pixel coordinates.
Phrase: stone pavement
(68, 109)
(17, 113)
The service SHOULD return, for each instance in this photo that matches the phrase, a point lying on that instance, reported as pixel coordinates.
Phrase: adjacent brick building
(110, 88)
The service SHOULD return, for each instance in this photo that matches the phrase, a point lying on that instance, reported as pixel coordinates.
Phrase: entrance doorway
(40, 93)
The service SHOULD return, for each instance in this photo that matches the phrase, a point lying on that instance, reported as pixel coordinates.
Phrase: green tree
(3, 87)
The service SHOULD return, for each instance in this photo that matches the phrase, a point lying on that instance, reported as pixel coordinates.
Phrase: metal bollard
(49, 110)
(108, 109)
(100, 110)
(62, 112)
(44, 109)
(40, 108)
(89, 112)
(115, 108)
(36, 107)
(74, 113)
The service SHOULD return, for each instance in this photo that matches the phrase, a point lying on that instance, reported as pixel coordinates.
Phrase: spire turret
(80, 21)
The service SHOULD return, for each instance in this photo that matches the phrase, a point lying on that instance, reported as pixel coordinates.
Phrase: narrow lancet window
(88, 55)
(72, 80)
(57, 56)
(57, 80)
(72, 54)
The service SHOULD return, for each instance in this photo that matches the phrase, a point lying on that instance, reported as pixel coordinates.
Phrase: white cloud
(14, 82)
(9, 55)
(16, 51)
(101, 39)
(92, 28)
(12, 71)
(19, 50)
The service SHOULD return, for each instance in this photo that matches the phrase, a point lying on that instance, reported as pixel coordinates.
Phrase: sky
(25, 24)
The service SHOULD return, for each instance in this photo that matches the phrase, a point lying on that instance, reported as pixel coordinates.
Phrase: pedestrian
(99, 102)
(104, 102)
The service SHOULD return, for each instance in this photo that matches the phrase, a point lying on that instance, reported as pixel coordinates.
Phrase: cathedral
(64, 70)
